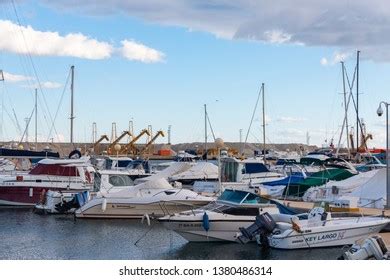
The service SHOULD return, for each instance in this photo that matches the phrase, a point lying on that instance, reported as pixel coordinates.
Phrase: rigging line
(44, 115)
(31, 61)
(13, 118)
(27, 125)
(22, 57)
(253, 115)
(212, 131)
(10, 117)
(17, 121)
(353, 99)
(59, 105)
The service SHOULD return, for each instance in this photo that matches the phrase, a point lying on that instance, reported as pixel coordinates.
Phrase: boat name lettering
(189, 225)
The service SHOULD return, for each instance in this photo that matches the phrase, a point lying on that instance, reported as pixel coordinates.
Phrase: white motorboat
(220, 220)
(67, 201)
(319, 230)
(152, 198)
(49, 174)
(201, 171)
(252, 171)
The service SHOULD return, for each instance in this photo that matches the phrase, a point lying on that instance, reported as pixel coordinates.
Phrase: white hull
(13, 203)
(327, 236)
(135, 210)
(220, 231)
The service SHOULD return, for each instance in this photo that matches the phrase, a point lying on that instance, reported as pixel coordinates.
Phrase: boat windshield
(236, 196)
(119, 180)
(237, 210)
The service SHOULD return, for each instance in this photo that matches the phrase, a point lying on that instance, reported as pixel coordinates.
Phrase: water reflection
(25, 235)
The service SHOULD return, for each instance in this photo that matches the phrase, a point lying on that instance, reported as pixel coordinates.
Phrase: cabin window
(255, 199)
(242, 211)
(123, 163)
(229, 171)
(55, 170)
(255, 168)
(233, 196)
(120, 180)
(97, 182)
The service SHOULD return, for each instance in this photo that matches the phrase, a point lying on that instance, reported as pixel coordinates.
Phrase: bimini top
(80, 161)
(60, 167)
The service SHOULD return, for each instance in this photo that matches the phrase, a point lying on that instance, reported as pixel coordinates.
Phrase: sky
(158, 62)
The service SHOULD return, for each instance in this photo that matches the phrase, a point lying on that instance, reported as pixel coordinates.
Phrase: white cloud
(47, 85)
(136, 51)
(344, 24)
(49, 43)
(277, 36)
(324, 61)
(336, 58)
(14, 78)
(290, 119)
(26, 40)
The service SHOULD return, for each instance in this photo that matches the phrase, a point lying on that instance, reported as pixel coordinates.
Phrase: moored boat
(319, 230)
(27, 189)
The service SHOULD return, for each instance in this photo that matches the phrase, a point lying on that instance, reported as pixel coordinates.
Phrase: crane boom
(160, 132)
(124, 133)
(103, 137)
(130, 145)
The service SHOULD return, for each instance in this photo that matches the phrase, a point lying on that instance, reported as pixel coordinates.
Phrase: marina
(31, 236)
(189, 150)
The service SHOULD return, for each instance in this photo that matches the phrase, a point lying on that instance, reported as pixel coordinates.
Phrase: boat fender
(206, 222)
(42, 198)
(146, 216)
(104, 205)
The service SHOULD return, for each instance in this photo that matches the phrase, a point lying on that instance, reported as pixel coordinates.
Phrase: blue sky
(182, 58)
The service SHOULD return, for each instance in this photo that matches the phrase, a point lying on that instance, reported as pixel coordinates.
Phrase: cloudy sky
(157, 62)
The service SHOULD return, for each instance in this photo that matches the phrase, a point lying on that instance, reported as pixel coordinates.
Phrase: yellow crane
(103, 137)
(160, 132)
(116, 141)
(130, 147)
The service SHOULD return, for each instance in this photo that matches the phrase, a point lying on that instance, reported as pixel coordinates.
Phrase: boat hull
(219, 231)
(329, 238)
(25, 196)
(134, 210)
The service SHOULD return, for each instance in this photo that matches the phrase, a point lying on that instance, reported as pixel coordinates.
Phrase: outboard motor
(373, 247)
(263, 226)
(78, 200)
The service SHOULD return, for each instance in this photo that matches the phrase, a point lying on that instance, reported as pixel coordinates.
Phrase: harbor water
(26, 235)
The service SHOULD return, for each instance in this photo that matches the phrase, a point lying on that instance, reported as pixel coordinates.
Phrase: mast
(36, 119)
(205, 129)
(357, 100)
(71, 104)
(345, 121)
(346, 110)
(262, 87)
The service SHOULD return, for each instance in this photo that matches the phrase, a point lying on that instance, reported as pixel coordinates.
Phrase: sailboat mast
(205, 130)
(36, 119)
(357, 100)
(71, 104)
(262, 86)
(346, 109)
